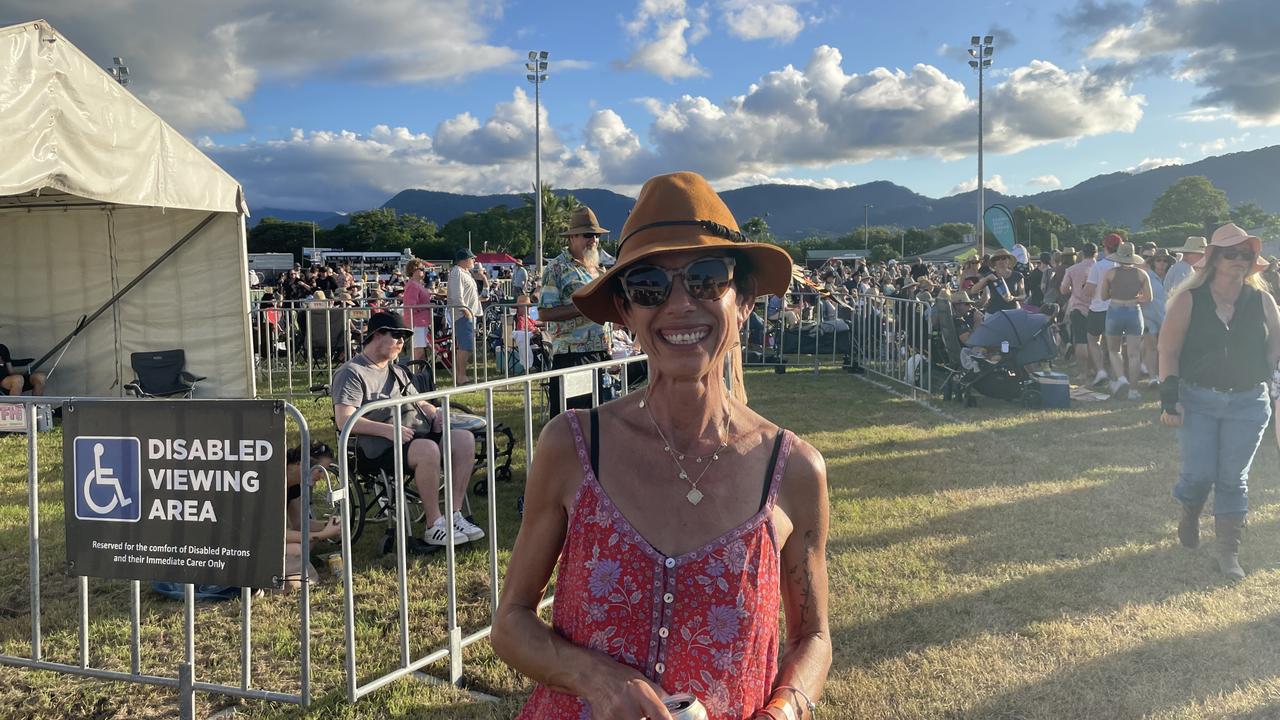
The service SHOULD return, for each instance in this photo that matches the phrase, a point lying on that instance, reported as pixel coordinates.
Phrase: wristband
(1169, 395)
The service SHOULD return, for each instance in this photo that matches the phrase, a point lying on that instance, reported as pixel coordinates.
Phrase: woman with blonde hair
(682, 521)
(1218, 347)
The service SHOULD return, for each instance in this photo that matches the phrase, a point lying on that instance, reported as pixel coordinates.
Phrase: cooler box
(1055, 389)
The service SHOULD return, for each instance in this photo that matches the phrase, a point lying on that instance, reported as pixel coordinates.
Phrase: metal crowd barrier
(298, 347)
(885, 336)
(456, 641)
(184, 680)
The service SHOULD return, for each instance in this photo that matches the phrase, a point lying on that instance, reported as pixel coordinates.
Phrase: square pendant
(694, 496)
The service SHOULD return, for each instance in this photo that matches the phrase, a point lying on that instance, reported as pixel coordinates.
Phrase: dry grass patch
(992, 563)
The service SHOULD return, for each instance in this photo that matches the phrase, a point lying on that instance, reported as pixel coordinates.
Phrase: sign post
(187, 491)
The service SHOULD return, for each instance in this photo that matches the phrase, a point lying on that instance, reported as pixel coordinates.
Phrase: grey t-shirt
(359, 382)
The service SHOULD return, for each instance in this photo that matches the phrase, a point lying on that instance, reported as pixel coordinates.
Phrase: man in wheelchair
(374, 375)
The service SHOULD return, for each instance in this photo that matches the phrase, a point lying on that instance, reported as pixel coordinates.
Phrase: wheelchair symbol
(107, 479)
(101, 476)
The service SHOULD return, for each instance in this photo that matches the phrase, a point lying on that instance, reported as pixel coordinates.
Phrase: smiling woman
(683, 521)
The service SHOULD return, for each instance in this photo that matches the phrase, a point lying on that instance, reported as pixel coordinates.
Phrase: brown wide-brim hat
(583, 222)
(1229, 235)
(678, 212)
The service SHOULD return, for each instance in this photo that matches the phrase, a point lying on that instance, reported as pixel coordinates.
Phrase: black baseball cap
(463, 254)
(389, 320)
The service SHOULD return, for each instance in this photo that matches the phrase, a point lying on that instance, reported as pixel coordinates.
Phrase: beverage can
(333, 561)
(685, 707)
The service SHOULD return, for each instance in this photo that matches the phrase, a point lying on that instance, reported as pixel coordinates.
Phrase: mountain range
(794, 212)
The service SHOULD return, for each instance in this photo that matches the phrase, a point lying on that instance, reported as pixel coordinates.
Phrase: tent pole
(115, 298)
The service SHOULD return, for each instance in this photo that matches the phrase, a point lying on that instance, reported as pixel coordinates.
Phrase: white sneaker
(1120, 387)
(438, 533)
(1134, 394)
(1100, 378)
(468, 528)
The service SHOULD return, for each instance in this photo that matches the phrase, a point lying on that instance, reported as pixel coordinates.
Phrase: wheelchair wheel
(480, 487)
(356, 503)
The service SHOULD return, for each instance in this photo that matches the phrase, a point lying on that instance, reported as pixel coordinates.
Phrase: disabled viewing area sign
(188, 491)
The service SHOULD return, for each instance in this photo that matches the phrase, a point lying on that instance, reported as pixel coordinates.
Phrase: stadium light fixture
(982, 53)
(537, 67)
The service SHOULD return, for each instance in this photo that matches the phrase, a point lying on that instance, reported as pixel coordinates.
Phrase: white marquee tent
(95, 190)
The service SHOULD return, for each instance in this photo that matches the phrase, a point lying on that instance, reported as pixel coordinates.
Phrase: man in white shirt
(464, 306)
(1098, 306)
(1183, 270)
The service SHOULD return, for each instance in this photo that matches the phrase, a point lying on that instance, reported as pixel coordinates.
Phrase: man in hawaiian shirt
(573, 339)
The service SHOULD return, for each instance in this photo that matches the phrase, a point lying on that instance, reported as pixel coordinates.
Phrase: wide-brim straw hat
(1193, 244)
(1000, 255)
(583, 222)
(1125, 255)
(1230, 235)
(678, 212)
(955, 297)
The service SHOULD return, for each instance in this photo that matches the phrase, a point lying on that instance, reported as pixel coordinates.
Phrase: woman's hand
(1173, 421)
(628, 696)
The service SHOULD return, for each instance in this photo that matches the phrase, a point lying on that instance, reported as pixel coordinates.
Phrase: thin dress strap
(782, 450)
(579, 443)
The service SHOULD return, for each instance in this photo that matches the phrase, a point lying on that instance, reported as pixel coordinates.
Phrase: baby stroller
(997, 355)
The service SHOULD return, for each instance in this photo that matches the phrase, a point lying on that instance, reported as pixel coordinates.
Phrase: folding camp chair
(161, 373)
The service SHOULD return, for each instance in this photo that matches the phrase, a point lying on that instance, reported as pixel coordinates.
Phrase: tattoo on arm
(802, 575)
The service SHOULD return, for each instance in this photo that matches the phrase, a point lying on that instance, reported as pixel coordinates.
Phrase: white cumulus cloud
(995, 182)
(663, 31)
(762, 19)
(1226, 47)
(195, 68)
(1047, 182)
(1152, 163)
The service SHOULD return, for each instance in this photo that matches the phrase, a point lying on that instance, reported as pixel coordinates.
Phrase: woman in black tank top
(1218, 346)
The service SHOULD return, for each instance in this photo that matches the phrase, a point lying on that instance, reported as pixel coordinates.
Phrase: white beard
(591, 258)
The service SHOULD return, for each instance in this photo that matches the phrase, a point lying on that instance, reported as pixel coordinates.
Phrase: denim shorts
(1151, 322)
(464, 333)
(1124, 320)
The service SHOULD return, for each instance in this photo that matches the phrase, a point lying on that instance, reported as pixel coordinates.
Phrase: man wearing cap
(573, 339)
(374, 375)
(464, 306)
(1191, 252)
(1097, 305)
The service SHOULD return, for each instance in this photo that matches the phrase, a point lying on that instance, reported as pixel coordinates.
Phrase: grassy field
(993, 563)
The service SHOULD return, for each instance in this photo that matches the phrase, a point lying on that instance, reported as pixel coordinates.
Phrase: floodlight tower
(119, 71)
(537, 67)
(980, 50)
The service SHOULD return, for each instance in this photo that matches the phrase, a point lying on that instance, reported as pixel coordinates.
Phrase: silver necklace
(694, 496)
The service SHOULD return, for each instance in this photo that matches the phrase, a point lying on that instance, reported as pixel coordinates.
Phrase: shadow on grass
(1158, 675)
(1101, 586)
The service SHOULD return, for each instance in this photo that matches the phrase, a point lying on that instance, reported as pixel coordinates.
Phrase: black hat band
(710, 226)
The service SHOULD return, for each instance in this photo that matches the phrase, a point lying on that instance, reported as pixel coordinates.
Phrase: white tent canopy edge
(94, 187)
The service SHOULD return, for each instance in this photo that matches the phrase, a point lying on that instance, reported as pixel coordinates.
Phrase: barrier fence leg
(186, 692)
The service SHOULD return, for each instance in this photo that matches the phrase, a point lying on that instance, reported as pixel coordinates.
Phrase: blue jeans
(1124, 320)
(1220, 433)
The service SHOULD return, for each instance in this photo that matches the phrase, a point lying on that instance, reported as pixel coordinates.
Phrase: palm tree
(557, 211)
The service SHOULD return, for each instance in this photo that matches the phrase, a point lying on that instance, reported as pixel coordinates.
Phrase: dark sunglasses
(1237, 255)
(704, 279)
(591, 236)
(397, 334)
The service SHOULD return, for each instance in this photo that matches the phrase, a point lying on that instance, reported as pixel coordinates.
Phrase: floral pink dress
(705, 622)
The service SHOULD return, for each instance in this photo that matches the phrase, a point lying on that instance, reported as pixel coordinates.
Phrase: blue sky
(338, 104)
